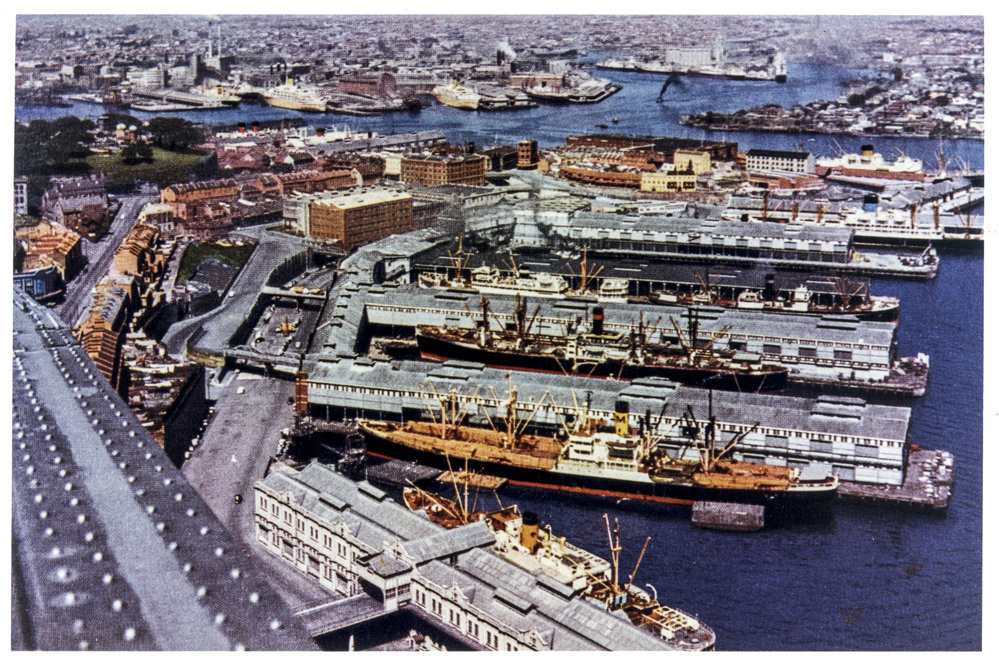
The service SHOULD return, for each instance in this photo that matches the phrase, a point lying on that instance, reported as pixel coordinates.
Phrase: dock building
(759, 159)
(354, 539)
(801, 246)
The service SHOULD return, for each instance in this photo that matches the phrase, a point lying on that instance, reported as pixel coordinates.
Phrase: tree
(173, 133)
(134, 153)
(50, 146)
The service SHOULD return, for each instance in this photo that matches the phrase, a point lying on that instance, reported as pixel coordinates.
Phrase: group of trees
(47, 147)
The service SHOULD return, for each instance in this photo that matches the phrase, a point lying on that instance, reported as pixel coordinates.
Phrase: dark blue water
(634, 106)
(866, 578)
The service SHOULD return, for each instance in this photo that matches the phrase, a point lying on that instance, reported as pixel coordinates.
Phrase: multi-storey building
(428, 169)
(351, 538)
(527, 154)
(351, 218)
(80, 204)
(51, 245)
(758, 159)
(698, 161)
(669, 181)
(199, 204)
(20, 194)
(102, 333)
(137, 255)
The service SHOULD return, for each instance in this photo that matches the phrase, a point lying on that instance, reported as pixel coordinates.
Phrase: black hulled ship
(602, 353)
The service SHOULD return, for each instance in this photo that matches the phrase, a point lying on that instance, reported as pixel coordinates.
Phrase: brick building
(352, 218)
(428, 169)
(102, 333)
(137, 255)
(78, 203)
(199, 204)
(527, 154)
(53, 245)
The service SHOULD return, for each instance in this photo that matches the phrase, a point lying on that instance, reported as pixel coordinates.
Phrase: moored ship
(457, 96)
(520, 541)
(853, 299)
(600, 353)
(294, 96)
(593, 458)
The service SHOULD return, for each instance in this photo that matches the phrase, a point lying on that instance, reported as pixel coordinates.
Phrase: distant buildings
(527, 154)
(351, 218)
(428, 169)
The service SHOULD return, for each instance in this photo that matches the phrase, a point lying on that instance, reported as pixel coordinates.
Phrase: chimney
(242, 128)
(598, 320)
(529, 532)
(621, 426)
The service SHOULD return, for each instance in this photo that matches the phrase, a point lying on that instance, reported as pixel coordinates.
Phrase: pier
(928, 484)
(330, 616)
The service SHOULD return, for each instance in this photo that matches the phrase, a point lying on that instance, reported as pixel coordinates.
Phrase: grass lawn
(166, 168)
(195, 254)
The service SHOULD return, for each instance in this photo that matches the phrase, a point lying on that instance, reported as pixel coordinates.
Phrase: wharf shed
(846, 436)
(352, 538)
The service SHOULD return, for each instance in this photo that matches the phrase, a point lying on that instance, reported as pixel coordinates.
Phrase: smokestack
(867, 150)
(621, 426)
(529, 532)
(242, 128)
(471, 147)
(256, 127)
(320, 131)
(870, 202)
(598, 320)
(770, 288)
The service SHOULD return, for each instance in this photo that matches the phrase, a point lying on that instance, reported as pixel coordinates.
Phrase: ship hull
(434, 347)
(595, 484)
(294, 105)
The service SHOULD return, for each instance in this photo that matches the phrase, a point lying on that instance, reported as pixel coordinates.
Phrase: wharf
(928, 484)
(907, 377)
(400, 473)
(330, 616)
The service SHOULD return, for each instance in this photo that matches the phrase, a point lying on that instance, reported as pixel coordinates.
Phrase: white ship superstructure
(297, 97)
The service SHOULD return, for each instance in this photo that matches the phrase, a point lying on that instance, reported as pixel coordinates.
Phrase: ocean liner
(295, 97)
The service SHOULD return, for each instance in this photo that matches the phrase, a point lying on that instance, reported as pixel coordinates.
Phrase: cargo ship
(600, 353)
(590, 457)
(853, 299)
(520, 541)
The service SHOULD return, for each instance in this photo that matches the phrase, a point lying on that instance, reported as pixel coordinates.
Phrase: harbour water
(866, 578)
(635, 107)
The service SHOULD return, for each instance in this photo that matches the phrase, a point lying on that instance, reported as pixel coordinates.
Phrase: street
(232, 456)
(99, 256)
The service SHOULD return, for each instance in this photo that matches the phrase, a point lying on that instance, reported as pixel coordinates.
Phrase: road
(99, 256)
(232, 456)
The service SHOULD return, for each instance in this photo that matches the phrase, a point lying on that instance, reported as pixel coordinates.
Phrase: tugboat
(602, 353)
(520, 541)
(591, 457)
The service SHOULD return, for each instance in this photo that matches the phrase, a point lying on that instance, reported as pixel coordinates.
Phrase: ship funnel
(770, 288)
(598, 320)
(621, 425)
(529, 531)
(870, 203)
(867, 150)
